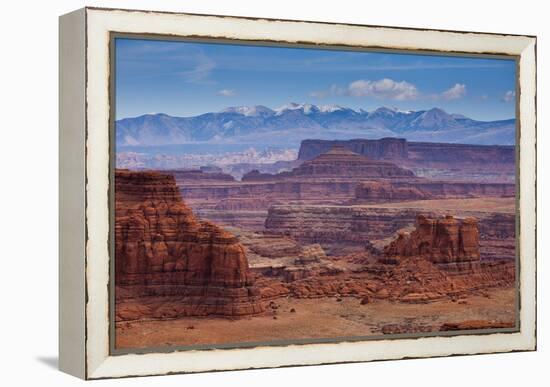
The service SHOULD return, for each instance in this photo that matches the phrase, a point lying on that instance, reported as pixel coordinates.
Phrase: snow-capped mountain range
(292, 123)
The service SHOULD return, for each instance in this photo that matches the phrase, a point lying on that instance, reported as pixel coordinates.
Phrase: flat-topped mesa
(442, 241)
(342, 162)
(163, 250)
(338, 162)
(391, 148)
(384, 148)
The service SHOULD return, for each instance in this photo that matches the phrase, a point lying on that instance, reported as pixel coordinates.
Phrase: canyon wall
(398, 148)
(331, 226)
(257, 195)
(336, 224)
(163, 250)
(461, 153)
(392, 191)
(482, 163)
(337, 176)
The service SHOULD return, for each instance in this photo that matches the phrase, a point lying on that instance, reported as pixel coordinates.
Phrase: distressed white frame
(101, 22)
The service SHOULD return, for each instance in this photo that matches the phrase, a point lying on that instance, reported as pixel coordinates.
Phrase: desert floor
(318, 319)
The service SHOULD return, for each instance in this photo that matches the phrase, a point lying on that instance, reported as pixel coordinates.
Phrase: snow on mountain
(330, 108)
(294, 122)
(249, 111)
(306, 108)
(434, 119)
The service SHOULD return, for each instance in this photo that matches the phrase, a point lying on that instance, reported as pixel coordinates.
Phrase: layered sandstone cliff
(327, 225)
(162, 250)
(481, 163)
(356, 225)
(438, 260)
(443, 241)
(422, 152)
(420, 189)
(385, 191)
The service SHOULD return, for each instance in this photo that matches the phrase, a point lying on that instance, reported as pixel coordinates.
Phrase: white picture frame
(85, 37)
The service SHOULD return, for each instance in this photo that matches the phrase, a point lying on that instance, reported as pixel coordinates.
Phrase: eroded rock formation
(327, 225)
(357, 225)
(446, 240)
(163, 250)
(413, 279)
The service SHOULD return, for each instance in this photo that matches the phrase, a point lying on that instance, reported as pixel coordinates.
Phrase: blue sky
(186, 79)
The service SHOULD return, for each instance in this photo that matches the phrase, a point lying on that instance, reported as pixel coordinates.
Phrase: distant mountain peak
(384, 111)
(250, 111)
(331, 108)
(294, 122)
(306, 108)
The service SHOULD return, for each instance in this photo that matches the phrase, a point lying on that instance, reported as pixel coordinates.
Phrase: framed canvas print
(244, 193)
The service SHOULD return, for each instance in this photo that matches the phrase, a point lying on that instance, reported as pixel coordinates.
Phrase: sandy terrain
(313, 319)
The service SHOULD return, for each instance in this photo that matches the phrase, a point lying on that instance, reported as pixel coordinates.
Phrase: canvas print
(267, 195)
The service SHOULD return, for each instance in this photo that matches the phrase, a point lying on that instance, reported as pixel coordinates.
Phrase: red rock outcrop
(444, 241)
(413, 279)
(162, 250)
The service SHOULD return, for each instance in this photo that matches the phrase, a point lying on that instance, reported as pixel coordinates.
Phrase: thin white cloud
(455, 92)
(200, 73)
(333, 90)
(509, 96)
(389, 89)
(227, 92)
